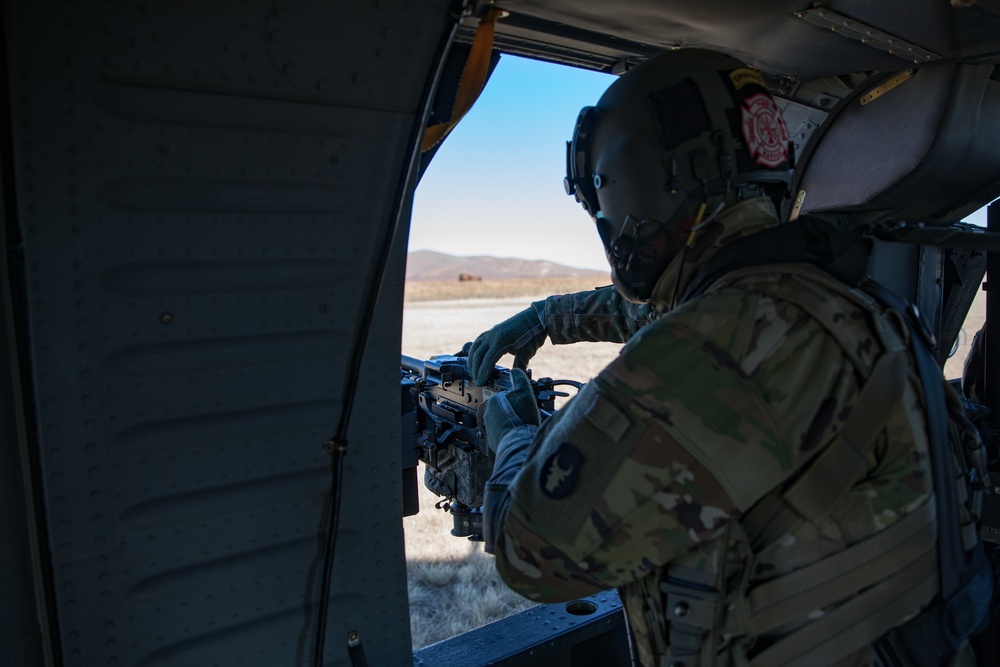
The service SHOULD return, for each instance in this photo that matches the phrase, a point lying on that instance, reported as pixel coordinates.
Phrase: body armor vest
(854, 598)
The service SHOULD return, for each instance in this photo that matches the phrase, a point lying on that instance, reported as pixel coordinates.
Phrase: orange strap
(472, 81)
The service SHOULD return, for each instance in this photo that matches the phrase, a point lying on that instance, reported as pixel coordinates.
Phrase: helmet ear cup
(580, 181)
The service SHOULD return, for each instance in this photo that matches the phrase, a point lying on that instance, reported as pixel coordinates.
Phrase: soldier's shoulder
(738, 320)
(725, 317)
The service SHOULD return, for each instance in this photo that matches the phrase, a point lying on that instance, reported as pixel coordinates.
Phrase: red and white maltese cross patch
(764, 131)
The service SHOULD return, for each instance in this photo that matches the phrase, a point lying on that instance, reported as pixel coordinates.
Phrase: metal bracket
(800, 199)
(883, 88)
(963, 236)
(866, 34)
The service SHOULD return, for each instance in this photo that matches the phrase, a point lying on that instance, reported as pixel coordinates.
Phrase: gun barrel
(412, 364)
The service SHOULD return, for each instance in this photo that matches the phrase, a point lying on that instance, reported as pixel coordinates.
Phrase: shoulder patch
(764, 131)
(743, 77)
(561, 471)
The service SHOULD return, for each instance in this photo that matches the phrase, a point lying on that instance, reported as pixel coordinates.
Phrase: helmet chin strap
(677, 283)
(700, 224)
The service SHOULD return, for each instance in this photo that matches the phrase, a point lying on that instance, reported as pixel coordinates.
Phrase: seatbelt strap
(826, 479)
(833, 472)
(477, 65)
(950, 546)
(934, 636)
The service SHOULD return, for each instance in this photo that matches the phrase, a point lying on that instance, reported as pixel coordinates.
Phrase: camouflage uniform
(647, 477)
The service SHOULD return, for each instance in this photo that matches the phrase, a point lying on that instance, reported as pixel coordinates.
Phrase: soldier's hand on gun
(510, 409)
(520, 335)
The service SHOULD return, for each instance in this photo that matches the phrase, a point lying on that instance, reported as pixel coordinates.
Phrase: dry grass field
(453, 290)
(452, 584)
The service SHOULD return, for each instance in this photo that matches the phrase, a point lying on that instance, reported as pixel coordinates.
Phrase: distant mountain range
(430, 265)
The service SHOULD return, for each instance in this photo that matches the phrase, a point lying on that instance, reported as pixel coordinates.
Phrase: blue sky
(495, 186)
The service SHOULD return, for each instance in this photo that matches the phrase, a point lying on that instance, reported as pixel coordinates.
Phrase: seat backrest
(926, 149)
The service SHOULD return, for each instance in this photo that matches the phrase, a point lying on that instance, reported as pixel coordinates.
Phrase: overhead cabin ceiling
(798, 40)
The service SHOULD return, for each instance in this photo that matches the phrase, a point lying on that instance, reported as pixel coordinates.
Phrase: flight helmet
(668, 145)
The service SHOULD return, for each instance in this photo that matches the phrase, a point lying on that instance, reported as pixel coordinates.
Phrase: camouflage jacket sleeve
(600, 315)
(703, 413)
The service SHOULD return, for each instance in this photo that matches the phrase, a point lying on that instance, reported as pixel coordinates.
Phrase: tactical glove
(510, 409)
(522, 335)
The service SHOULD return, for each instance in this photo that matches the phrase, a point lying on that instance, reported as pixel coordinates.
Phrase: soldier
(752, 472)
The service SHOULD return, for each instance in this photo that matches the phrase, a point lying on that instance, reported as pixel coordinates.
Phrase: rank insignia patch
(561, 471)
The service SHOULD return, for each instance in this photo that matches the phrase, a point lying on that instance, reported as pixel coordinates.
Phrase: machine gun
(442, 426)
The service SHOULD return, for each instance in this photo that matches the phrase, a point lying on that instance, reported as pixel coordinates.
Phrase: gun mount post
(468, 521)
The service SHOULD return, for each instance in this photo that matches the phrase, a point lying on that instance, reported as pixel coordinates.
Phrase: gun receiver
(442, 418)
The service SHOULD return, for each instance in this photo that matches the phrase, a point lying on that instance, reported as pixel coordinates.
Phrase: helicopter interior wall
(21, 641)
(201, 193)
(927, 147)
(769, 34)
